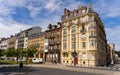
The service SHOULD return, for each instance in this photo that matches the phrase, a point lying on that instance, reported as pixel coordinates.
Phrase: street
(14, 70)
(52, 69)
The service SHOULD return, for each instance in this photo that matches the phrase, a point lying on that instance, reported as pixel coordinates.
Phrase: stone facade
(37, 41)
(53, 34)
(83, 38)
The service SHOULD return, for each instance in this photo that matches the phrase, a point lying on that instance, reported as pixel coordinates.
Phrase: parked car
(22, 59)
(37, 60)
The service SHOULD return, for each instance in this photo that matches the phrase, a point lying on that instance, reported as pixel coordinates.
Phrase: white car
(37, 60)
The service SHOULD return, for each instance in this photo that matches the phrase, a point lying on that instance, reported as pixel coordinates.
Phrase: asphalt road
(15, 70)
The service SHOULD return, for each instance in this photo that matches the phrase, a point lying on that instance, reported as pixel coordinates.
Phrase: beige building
(83, 38)
(112, 52)
(11, 42)
(37, 41)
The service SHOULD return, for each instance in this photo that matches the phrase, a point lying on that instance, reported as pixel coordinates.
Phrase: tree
(11, 53)
(31, 52)
(118, 53)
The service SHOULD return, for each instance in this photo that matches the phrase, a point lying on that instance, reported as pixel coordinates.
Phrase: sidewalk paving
(78, 69)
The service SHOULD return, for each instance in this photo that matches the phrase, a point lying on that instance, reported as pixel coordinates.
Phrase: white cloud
(7, 30)
(55, 9)
(108, 8)
(13, 3)
(113, 36)
(52, 5)
(34, 11)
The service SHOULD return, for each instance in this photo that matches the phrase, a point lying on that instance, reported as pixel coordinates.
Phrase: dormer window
(83, 11)
(90, 18)
(74, 14)
(74, 21)
(58, 26)
(67, 23)
(78, 11)
(47, 28)
(66, 17)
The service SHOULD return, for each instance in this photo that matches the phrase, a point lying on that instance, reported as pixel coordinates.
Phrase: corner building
(83, 38)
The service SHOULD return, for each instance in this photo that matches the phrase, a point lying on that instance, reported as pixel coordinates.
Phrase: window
(58, 33)
(74, 14)
(83, 28)
(92, 43)
(64, 45)
(52, 34)
(92, 26)
(92, 33)
(66, 17)
(90, 18)
(74, 21)
(73, 45)
(46, 40)
(71, 14)
(65, 54)
(73, 37)
(64, 31)
(73, 29)
(78, 11)
(46, 47)
(83, 44)
(66, 24)
(83, 11)
(83, 19)
(65, 38)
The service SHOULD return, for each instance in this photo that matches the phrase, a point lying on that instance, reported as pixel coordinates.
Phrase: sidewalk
(78, 69)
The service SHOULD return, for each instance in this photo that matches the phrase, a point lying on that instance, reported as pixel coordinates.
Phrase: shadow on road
(16, 69)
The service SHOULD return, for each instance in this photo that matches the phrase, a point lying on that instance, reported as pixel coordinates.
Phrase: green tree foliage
(27, 52)
(118, 52)
(31, 51)
(2, 52)
(11, 53)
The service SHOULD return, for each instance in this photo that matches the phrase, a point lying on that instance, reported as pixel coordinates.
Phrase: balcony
(52, 36)
(51, 43)
(92, 36)
(83, 31)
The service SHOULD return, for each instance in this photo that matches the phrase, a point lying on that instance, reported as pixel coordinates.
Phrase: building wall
(37, 41)
(11, 42)
(112, 52)
(4, 44)
(54, 43)
(83, 38)
(23, 36)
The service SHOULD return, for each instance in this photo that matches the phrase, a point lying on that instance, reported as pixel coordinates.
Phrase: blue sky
(16, 15)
